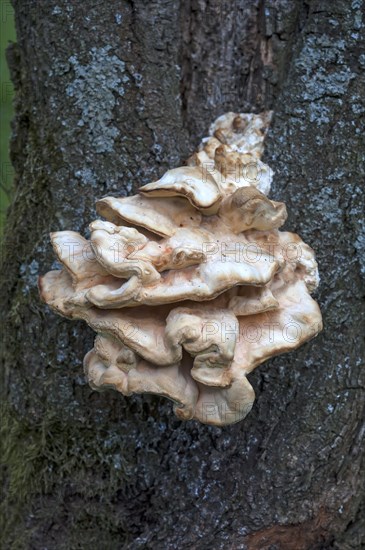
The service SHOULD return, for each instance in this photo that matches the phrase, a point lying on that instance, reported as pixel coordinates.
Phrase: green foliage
(6, 109)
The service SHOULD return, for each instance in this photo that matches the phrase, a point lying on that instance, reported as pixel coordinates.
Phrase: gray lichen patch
(29, 275)
(87, 176)
(95, 90)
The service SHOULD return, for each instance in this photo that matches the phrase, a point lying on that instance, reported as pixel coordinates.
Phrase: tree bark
(108, 96)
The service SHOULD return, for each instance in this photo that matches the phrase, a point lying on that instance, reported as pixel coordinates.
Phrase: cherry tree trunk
(108, 96)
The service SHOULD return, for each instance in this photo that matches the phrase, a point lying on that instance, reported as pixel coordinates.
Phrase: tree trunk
(108, 96)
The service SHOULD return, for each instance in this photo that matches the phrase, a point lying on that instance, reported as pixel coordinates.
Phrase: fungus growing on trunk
(190, 285)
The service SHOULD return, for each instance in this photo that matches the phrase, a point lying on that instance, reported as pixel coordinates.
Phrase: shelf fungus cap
(190, 285)
(247, 208)
(192, 182)
(231, 153)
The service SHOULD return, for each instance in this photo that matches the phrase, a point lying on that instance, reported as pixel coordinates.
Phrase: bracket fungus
(190, 285)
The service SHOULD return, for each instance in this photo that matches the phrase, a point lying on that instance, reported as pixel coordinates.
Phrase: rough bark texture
(108, 95)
